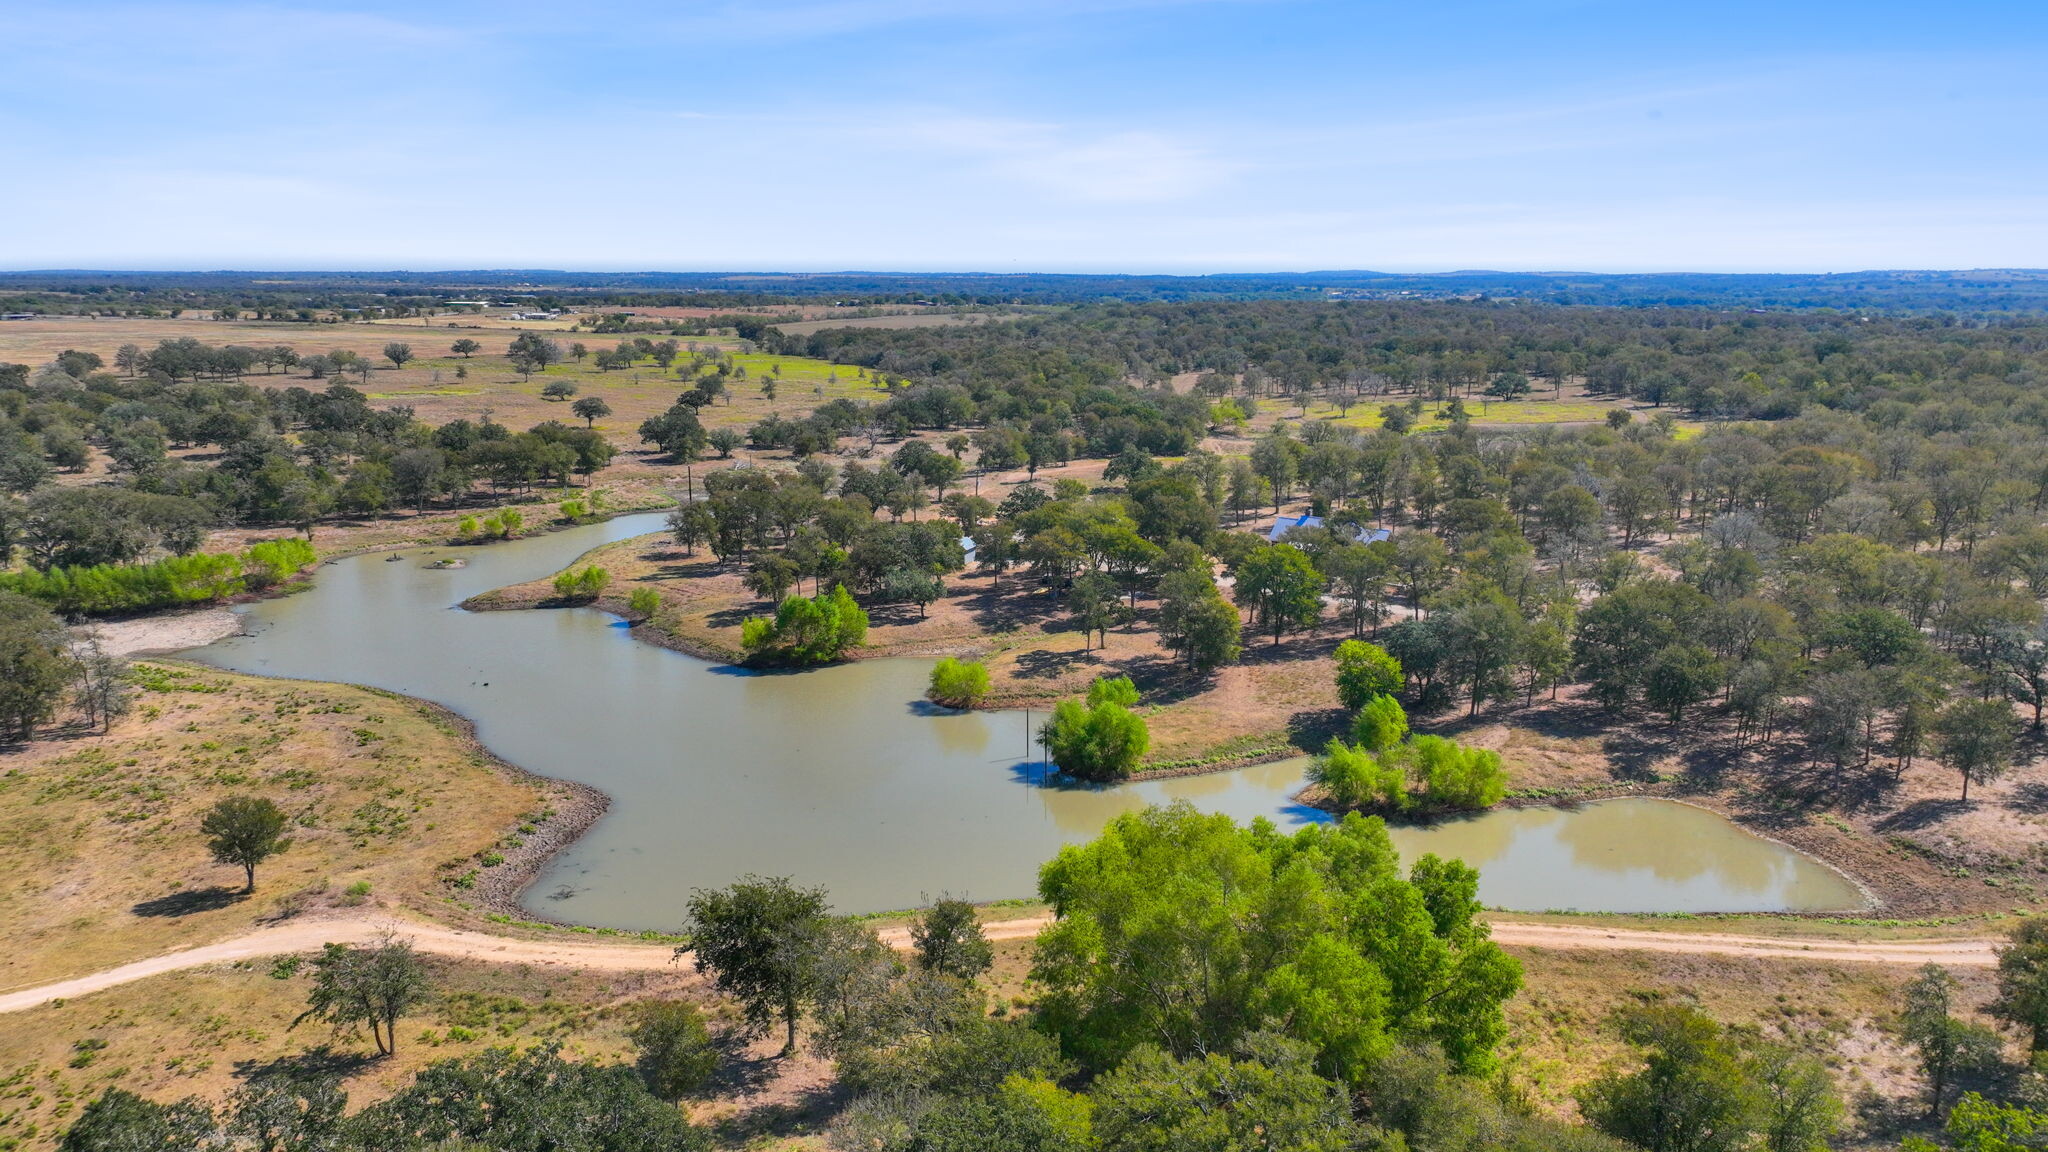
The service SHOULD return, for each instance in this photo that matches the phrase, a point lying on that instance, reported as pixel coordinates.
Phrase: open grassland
(440, 385)
(35, 342)
(1572, 406)
(101, 858)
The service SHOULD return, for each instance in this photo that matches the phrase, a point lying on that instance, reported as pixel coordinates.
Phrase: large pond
(843, 777)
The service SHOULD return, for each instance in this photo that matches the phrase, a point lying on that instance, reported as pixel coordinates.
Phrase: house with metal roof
(1282, 525)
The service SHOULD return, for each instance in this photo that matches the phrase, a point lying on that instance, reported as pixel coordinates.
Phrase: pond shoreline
(574, 809)
(559, 848)
(1877, 895)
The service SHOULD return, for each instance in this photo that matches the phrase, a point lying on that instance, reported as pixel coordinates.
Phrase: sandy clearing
(168, 632)
(305, 936)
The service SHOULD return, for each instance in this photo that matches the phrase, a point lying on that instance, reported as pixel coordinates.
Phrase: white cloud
(770, 19)
(1085, 164)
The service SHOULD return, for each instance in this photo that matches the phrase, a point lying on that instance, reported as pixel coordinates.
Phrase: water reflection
(838, 776)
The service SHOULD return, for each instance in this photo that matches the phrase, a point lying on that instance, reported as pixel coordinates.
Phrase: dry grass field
(439, 385)
(101, 858)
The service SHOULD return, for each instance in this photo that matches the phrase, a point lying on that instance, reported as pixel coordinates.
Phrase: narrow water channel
(843, 777)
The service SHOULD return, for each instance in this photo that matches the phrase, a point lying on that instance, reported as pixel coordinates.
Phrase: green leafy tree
(465, 347)
(586, 583)
(1801, 1111)
(692, 525)
(591, 409)
(1381, 724)
(1680, 676)
(528, 1100)
(1354, 777)
(1267, 1097)
(674, 1050)
(762, 941)
(2023, 981)
(1457, 776)
(1358, 576)
(915, 583)
(643, 603)
(1179, 930)
(1101, 740)
(949, 940)
(245, 831)
(1365, 671)
(1978, 1125)
(724, 441)
(1096, 606)
(1482, 633)
(399, 354)
(772, 576)
(1691, 1093)
(813, 630)
(1196, 621)
(1945, 1045)
(36, 665)
(1113, 690)
(531, 352)
(1281, 588)
(375, 985)
(1975, 739)
(958, 683)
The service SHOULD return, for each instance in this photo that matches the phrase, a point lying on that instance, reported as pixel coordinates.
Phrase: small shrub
(958, 683)
(676, 1055)
(644, 603)
(585, 584)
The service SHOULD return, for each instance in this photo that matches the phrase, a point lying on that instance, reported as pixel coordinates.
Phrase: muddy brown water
(844, 777)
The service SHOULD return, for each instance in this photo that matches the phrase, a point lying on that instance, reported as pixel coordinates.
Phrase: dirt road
(309, 935)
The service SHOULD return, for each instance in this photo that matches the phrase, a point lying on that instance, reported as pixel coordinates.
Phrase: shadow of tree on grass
(188, 902)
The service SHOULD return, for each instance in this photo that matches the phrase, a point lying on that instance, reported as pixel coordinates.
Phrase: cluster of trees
(1206, 986)
(1101, 740)
(1820, 576)
(500, 1098)
(104, 589)
(586, 583)
(807, 629)
(1708, 363)
(284, 455)
(41, 667)
(1422, 772)
(787, 530)
(1877, 494)
(1385, 767)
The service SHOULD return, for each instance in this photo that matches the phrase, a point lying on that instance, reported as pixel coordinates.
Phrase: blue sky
(1010, 135)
